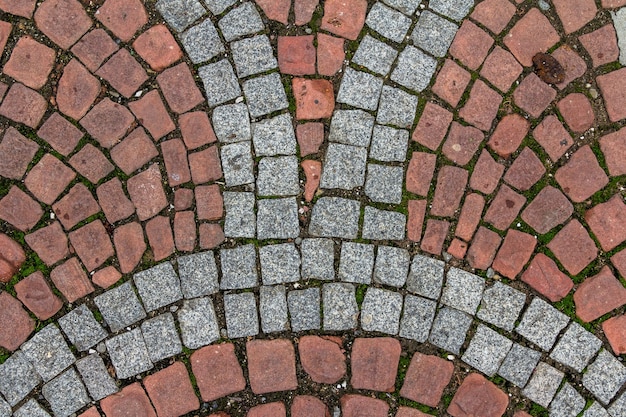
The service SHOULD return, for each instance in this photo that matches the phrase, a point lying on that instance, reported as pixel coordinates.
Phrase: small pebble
(593, 93)
(544, 5)
(450, 357)
(490, 273)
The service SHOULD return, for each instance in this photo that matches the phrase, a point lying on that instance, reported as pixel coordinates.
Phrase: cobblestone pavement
(348, 207)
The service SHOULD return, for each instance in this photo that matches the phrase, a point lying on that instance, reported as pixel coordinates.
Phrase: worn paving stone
(48, 352)
(351, 127)
(160, 237)
(23, 105)
(463, 290)
(541, 323)
(128, 354)
(307, 405)
(519, 364)
(426, 390)
(279, 263)
(35, 293)
(576, 347)
(71, 280)
(380, 311)
(433, 33)
(514, 253)
(426, 276)
(344, 167)
(487, 173)
(615, 332)
(344, 18)
(240, 21)
(237, 163)
(508, 135)
(432, 126)
(158, 47)
(462, 143)
(132, 399)
(120, 307)
(30, 62)
(278, 218)
(606, 223)
(383, 225)
(271, 365)
(179, 88)
(392, 266)
(486, 350)
(359, 89)
(198, 323)
(340, 309)
(241, 315)
(478, 395)
(501, 212)
(471, 45)
(134, 151)
(18, 378)
(265, 94)
(396, 107)
(314, 98)
(577, 112)
(388, 22)
(598, 295)
(310, 137)
(500, 67)
(82, 328)
(604, 377)
(611, 146)
(549, 209)
(273, 309)
(374, 363)
(322, 358)
(482, 106)
(601, 45)
(48, 179)
(414, 69)
(220, 82)
(434, 236)
(161, 337)
(568, 402)
(217, 371)
(296, 55)
(278, 176)
(239, 220)
(573, 247)
(451, 182)
(533, 33)
(375, 55)
(450, 329)
(501, 306)
(389, 144)
(201, 42)
(273, 136)
(417, 318)
(171, 391)
(356, 262)
(91, 163)
(158, 286)
(318, 258)
(66, 394)
(31, 409)
(238, 267)
(420, 173)
(618, 407)
(198, 274)
(18, 151)
(543, 384)
(384, 183)
(596, 410)
(330, 54)
(123, 73)
(304, 309)
(451, 82)
(123, 18)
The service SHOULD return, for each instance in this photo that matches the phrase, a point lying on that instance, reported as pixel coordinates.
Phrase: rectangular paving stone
(392, 266)
(618, 408)
(384, 183)
(340, 308)
(604, 377)
(265, 94)
(198, 274)
(158, 286)
(201, 42)
(417, 318)
(383, 224)
(198, 323)
(543, 384)
(359, 89)
(242, 319)
(279, 263)
(463, 290)
(238, 267)
(425, 277)
(31, 409)
(356, 263)
(220, 82)
(96, 377)
(218, 6)
(396, 108)
(414, 69)
(542, 323)
(450, 329)
(304, 309)
(120, 307)
(519, 364)
(273, 309)
(274, 136)
(407, 7)
(161, 337)
(486, 350)
(380, 311)
(239, 220)
(253, 55)
(179, 14)
(82, 328)
(48, 352)
(5, 409)
(389, 144)
(344, 167)
(375, 55)
(240, 21)
(434, 34)
(454, 9)
(501, 306)
(335, 217)
(17, 378)
(596, 410)
(128, 354)
(278, 176)
(237, 163)
(66, 393)
(318, 259)
(351, 127)
(567, 403)
(388, 22)
(277, 218)
(231, 123)
(576, 347)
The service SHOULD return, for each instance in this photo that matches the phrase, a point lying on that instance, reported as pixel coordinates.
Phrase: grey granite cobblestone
(5, 409)
(383, 224)
(604, 377)
(454, 9)
(198, 274)
(277, 218)
(359, 89)
(449, 329)
(198, 323)
(278, 176)
(542, 323)
(596, 410)
(82, 328)
(384, 183)
(31, 409)
(274, 136)
(356, 262)
(389, 144)
(237, 163)
(340, 309)
(218, 6)
(417, 318)
(463, 290)
(202, 42)
(392, 266)
(96, 377)
(487, 350)
(161, 337)
(128, 354)
(396, 108)
(242, 319)
(66, 394)
(567, 402)
(231, 123)
(273, 309)
(220, 82)
(179, 14)
(265, 94)
(239, 218)
(501, 306)
(543, 384)
(388, 22)
(304, 309)
(238, 268)
(518, 365)
(414, 69)
(407, 7)
(335, 217)
(618, 408)
(344, 167)
(576, 347)
(17, 378)
(318, 259)
(375, 55)
(380, 311)
(240, 21)
(426, 277)
(48, 352)
(253, 55)
(158, 286)
(279, 263)
(434, 34)
(351, 127)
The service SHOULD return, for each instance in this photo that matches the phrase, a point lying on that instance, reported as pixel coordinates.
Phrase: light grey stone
(425, 277)
(120, 307)
(198, 274)
(238, 268)
(241, 316)
(48, 352)
(351, 127)
(340, 309)
(96, 377)
(344, 167)
(278, 176)
(274, 136)
(434, 34)
(463, 290)
(240, 219)
(265, 94)
(5, 409)
(277, 218)
(414, 69)
(407, 7)
(501, 306)
(304, 309)
(17, 378)
(31, 409)
(450, 329)
(388, 22)
(318, 259)
(486, 350)
(240, 21)
(82, 328)
(279, 263)
(604, 377)
(158, 286)
(161, 337)
(202, 42)
(220, 82)
(576, 347)
(218, 6)
(543, 384)
(335, 217)
(198, 323)
(389, 144)
(596, 410)
(253, 55)
(383, 224)
(454, 9)
(237, 163)
(519, 365)
(396, 107)
(417, 318)
(375, 55)
(180, 13)
(619, 22)
(567, 403)
(231, 123)
(392, 266)
(356, 263)
(128, 354)
(381, 310)
(542, 323)
(359, 89)
(618, 408)
(384, 183)
(273, 309)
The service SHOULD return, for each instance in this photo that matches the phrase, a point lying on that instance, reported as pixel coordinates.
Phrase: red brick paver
(613, 147)
(217, 371)
(49, 242)
(483, 248)
(553, 137)
(420, 172)
(549, 209)
(276, 9)
(601, 44)
(426, 379)
(171, 392)
(48, 179)
(575, 14)
(75, 206)
(19, 209)
(482, 106)
(577, 112)
(526, 170)
(374, 363)
(330, 54)
(23, 8)
(434, 236)
(61, 134)
(508, 134)
(310, 137)
(179, 89)
(599, 295)
(63, 21)
(296, 55)
(185, 231)
(77, 90)
(533, 95)
(134, 151)
(615, 331)
(129, 245)
(304, 10)
(196, 129)
(514, 253)
(582, 176)
(432, 126)
(92, 244)
(471, 213)
(478, 397)
(71, 280)
(123, 72)
(15, 324)
(30, 62)
(12, 257)
(275, 409)
(613, 88)
(158, 47)
(487, 173)
(106, 276)
(130, 401)
(608, 222)
(16, 152)
(545, 277)
(417, 211)
(123, 17)
(160, 237)
(271, 365)
(501, 68)
(314, 98)
(451, 183)
(462, 143)
(107, 122)
(344, 17)
(36, 294)
(451, 83)
(571, 62)
(205, 165)
(531, 34)
(504, 208)
(146, 192)
(91, 163)
(573, 247)
(211, 235)
(494, 14)
(308, 406)
(94, 48)
(23, 105)
(152, 114)
(471, 45)
(313, 173)
(353, 405)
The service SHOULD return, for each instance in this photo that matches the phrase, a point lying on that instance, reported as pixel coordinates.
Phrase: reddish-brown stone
(277, 10)
(571, 62)
(451, 183)
(410, 412)
(471, 213)
(573, 247)
(36, 294)
(275, 409)
(123, 72)
(482, 106)
(106, 277)
(432, 126)
(514, 253)
(608, 222)
(123, 17)
(322, 358)
(91, 412)
(420, 173)
(457, 248)
(75, 206)
(582, 176)
(50, 243)
(158, 47)
(19, 209)
(330, 54)
(23, 105)
(271, 365)
(12, 257)
(160, 238)
(508, 134)
(185, 231)
(310, 137)
(308, 406)
(577, 112)
(619, 261)
(171, 392)
(15, 324)
(129, 245)
(130, 401)
(16, 153)
(426, 378)
(196, 129)
(62, 135)
(531, 34)
(483, 248)
(601, 45)
(553, 137)
(487, 173)
(296, 55)
(615, 331)
(211, 235)
(613, 88)
(314, 98)
(183, 199)
(217, 371)
(152, 114)
(477, 396)
(5, 32)
(549, 209)
(451, 82)
(504, 208)
(146, 192)
(107, 122)
(22, 8)
(613, 3)
(134, 151)
(94, 48)
(344, 17)
(613, 148)
(352, 405)
(63, 21)
(434, 236)
(179, 88)
(30, 62)
(575, 14)
(92, 244)
(71, 280)
(525, 171)
(471, 45)
(312, 172)
(205, 165)
(209, 202)
(599, 295)
(417, 211)
(500, 68)
(544, 276)
(303, 11)
(48, 179)
(533, 95)
(462, 143)
(495, 15)
(91, 163)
